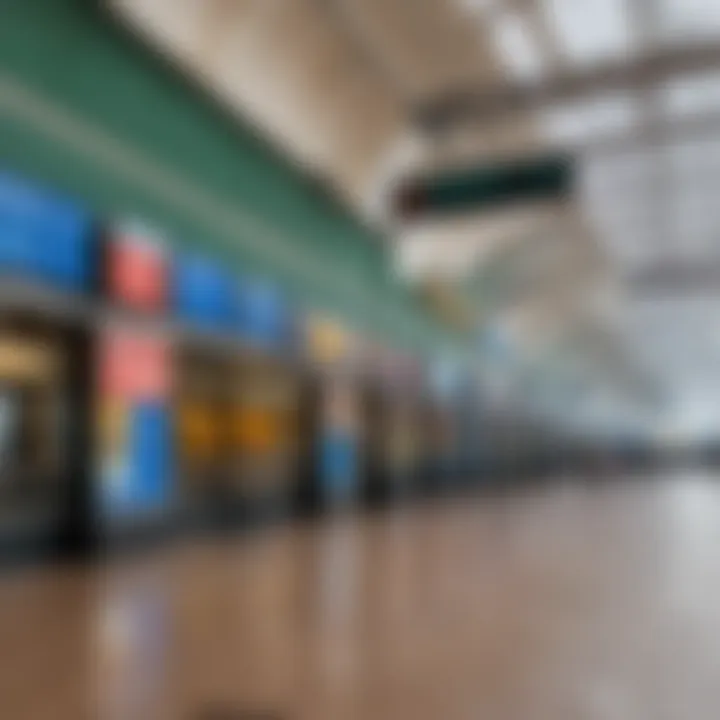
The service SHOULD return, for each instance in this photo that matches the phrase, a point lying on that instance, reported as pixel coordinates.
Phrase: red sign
(134, 366)
(137, 272)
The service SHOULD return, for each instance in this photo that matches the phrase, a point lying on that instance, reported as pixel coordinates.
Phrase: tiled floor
(575, 602)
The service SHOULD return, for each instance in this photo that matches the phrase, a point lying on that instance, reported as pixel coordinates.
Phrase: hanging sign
(204, 293)
(263, 317)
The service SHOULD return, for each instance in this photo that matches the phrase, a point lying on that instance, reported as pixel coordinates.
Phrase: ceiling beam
(543, 35)
(678, 278)
(349, 20)
(659, 132)
(495, 103)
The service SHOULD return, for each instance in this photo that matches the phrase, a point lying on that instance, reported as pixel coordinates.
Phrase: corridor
(571, 601)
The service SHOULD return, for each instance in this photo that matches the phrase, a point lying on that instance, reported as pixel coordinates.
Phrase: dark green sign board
(484, 188)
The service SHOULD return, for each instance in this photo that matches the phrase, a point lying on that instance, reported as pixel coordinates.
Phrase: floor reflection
(580, 601)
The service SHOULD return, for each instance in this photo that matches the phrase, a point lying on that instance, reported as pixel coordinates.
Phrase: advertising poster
(333, 349)
(338, 452)
(134, 422)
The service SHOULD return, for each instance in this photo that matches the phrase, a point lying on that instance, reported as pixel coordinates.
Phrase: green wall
(86, 107)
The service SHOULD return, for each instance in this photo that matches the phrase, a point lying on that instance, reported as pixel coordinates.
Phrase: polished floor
(574, 602)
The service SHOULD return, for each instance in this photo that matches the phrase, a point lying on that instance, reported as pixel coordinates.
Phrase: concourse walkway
(576, 601)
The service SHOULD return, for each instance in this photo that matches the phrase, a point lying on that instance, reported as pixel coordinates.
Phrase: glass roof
(691, 94)
(591, 30)
(648, 155)
(653, 194)
(688, 19)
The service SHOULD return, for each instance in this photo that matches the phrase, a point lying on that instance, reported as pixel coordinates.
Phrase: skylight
(615, 194)
(683, 20)
(590, 31)
(695, 169)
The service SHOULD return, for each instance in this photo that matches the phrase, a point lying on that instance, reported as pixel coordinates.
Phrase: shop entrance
(45, 453)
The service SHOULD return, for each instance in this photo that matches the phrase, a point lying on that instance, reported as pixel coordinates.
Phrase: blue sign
(263, 318)
(139, 477)
(338, 465)
(204, 292)
(43, 235)
(150, 454)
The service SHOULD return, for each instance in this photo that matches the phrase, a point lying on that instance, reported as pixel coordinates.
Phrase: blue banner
(204, 292)
(43, 235)
(263, 317)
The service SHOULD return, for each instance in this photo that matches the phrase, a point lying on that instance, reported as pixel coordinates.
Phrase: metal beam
(495, 103)
(654, 133)
(676, 279)
(543, 34)
(350, 22)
